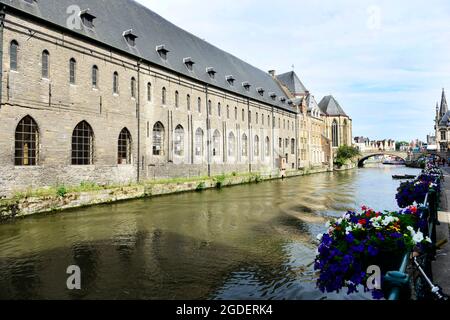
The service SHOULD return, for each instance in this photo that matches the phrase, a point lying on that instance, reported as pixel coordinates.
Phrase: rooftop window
(211, 72)
(246, 85)
(189, 63)
(162, 51)
(87, 18)
(260, 91)
(130, 37)
(230, 80)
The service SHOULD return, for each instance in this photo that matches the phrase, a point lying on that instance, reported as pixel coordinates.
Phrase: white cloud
(386, 70)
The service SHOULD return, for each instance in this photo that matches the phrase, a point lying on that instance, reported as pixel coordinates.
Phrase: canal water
(245, 242)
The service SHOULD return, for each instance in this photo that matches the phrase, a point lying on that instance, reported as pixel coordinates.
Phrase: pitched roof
(293, 83)
(113, 17)
(331, 107)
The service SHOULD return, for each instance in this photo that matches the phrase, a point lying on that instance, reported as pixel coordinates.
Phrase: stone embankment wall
(22, 206)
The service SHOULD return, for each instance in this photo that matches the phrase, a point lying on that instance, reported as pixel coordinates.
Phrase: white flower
(418, 237)
(328, 224)
(348, 230)
(427, 239)
(411, 229)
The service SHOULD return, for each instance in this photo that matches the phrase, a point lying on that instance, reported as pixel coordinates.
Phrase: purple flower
(372, 251)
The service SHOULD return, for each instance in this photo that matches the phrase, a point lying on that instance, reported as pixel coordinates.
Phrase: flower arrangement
(359, 240)
(414, 192)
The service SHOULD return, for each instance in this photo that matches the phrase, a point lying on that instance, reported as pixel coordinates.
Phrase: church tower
(444, 106)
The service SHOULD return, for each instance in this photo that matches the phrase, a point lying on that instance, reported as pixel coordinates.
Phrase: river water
(245, 242)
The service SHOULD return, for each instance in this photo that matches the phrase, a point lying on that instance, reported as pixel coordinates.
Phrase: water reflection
(253, 241)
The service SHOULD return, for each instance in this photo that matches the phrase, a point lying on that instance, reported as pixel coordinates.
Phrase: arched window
(179, 141)
(72, 71)
(13, 55)
(210, 107)
(267, 149)
(235, 113)
(199, 105)
(244, 145)
(94, 76)
(199, 149)
(335, 134)
(243, 115)
(133, 87)
(124, 147)
(158, 139)
(45, 64)
(344, 134)
(83, 144)
(293, 146)
(26, 143)
(228, 112)
(149, 92)
(256, 146)
(177, 99)
(116, 83)
(188, 102)
(257, 118)
(163, 96)
(231, 145)
(216, 144)
(219, 109)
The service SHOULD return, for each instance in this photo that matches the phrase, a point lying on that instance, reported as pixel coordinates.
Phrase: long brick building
(110, 92)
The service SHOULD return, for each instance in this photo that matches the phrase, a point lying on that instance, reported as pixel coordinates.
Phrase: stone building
(442, 124)
(116, 94)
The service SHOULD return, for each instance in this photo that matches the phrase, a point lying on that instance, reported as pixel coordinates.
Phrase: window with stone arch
(216, 144)
(26, 143)
(158, 139)
(267, 149)
(72, 71)
(133, 87)
(94, 76)
(235, 113)
(116, 83)
(179, 141)
(124, 147)
(13, 55)
(199, 142)
(199, 105)
(188, 102)
(177, 99)
(45, 64)
(83, 144)
(219, 109)
(244, 145)
(210, 107)
(335, 134)
(231, 145)
(149, 92)
(256, 146)
(163, 96)
(228, 112)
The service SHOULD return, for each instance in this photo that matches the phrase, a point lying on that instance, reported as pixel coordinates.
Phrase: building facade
(442, 124)
(90, 93)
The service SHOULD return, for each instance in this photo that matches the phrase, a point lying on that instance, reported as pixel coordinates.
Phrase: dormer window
(246, 85)
(130, 37)
(273, 95)
(211, 72)
(260, 91)
(87, 18)
(162, 51)
(230, 80)
(189, 63)
(290, 102)
(283, 99)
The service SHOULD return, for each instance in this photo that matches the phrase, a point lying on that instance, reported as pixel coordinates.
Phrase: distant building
(442, 124)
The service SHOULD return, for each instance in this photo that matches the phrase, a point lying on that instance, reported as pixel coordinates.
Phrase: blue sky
(385, 61)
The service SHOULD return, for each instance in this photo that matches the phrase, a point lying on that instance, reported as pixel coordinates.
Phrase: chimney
(272, 73)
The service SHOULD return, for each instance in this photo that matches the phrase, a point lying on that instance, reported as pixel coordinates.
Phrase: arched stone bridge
(370, 154)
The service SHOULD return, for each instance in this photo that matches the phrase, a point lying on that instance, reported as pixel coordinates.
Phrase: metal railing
(399, 281)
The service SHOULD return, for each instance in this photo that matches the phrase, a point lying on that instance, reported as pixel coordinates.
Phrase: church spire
(444, 105)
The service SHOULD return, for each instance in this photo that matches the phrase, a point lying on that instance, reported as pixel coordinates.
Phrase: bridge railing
(399, 280)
